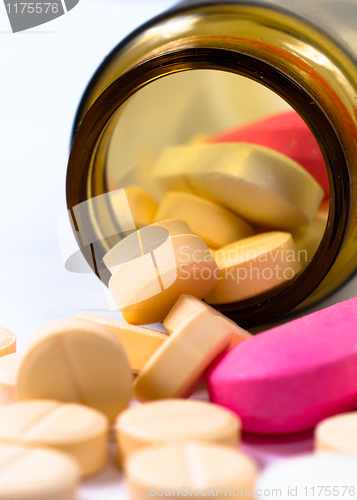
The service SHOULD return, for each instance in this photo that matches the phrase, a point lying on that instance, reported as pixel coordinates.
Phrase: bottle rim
(80, 176)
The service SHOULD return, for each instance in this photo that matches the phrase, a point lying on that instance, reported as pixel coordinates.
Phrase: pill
(309, 477)
(253, 266)
(337, 434)
(156, 422)
(188, 306)
(36, 474)
(293, 376)
(142, 206)
(177, 367)
(288, 134)
(8, 373)
(216, 225)
(259, 184)
(194, 469)
(307, 239)
(133, 246)
(139, 343)
(145, 289)
(7, 342)
(69, 427)
(75, 360)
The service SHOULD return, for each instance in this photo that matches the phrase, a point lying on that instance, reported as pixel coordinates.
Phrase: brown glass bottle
(302, 50)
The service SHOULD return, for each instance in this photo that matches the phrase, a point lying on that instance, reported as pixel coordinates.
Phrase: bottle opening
(210, 147)
(180, 135)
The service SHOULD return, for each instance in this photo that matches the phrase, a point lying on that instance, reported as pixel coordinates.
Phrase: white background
(44, 72)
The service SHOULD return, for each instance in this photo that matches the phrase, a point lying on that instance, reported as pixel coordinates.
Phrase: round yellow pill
(254, 265)
(8, 373)
(190, 469)
(258, 183)
(145, 289)
(139, 343)
(7, 342)
(36, 474)
(155, 422)
(142, 206)
(75, 360)
(134, 245)
(216, 225)
(188, 306)
(178, 365)
(337, 434)
(75, 429)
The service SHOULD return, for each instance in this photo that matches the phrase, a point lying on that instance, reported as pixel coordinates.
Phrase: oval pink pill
(291, 377)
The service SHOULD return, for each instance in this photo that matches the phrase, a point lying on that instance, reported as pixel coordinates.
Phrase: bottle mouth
(87, 182)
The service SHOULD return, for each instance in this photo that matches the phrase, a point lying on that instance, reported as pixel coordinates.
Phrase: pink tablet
(289, 378)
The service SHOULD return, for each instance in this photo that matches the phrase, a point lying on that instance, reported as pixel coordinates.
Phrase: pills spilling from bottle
(236, 220)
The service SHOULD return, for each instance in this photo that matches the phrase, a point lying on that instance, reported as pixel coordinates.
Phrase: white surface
(43, 74)
(322, 476)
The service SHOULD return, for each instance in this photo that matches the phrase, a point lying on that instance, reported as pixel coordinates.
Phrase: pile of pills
(229, 207)
(75, 378)
(237, 219)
